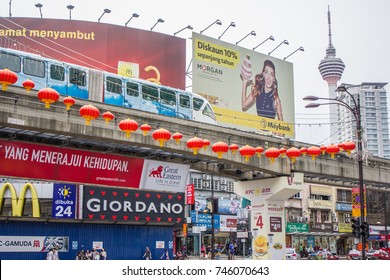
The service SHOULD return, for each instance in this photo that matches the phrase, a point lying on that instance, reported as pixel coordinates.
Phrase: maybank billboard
(247, 89)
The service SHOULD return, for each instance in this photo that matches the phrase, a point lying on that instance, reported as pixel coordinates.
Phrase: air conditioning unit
(347, 220)
(223, 181)
(334, 219)
(335, 228)
(347, 215)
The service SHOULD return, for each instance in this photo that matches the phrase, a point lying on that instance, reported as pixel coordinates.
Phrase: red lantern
(349, 146)
(220, 148)
(195, 143)
(145, 128)
(89, 112)
(28, 85)
(293, 153)
(341, 146)
(108, 116)
(259, 150)
(128, 126)
(206, 143)
(177, 137)
(7, 77)
(272, 154)
(282, 152)
(233, 148)
(303, 151)
(69, 101)
(162, 135)
(313, 152)
(323, 149)
(48, 96)
(332, 149)
(247, 152)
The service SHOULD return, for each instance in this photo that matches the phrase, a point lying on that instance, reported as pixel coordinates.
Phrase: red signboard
(24, 160)
(100, 46)
(190, 194)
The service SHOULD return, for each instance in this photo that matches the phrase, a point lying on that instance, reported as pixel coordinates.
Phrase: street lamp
(70, 8)
(283, 42)
(187, 27)
(159, 20)
(215, 22)
(233, 24)
(253, 33)
(39, 6)
(135, 15)
(298, 49)
(355, 110)
(269, 38)
(106, 11)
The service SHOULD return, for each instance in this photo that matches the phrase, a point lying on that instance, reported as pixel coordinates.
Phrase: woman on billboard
(264, 91)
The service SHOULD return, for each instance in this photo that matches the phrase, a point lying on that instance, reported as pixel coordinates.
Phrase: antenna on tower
(330, 29)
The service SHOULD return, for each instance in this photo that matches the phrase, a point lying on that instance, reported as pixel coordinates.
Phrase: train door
(77, 83)
(168, 102)
(113, 90)
(184, 110)
(149, 98)
(132, 95)
(57, 78)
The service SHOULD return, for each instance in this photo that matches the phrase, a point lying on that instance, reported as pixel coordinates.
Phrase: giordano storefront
(319, 236)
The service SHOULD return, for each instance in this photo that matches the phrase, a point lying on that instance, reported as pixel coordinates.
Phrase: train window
(185, 101)
(10, 61)
(34, 67)
(114, 85)
(57, 72)
(77, 77)
(168, 97)
(149, 93)
(132, 89)
(208, 112)
(198, 103)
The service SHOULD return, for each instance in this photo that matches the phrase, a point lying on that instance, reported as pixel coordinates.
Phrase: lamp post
(283, 42)
(253, 33)
(159, 20)
(356, 113)
(232, 24)
(134, 15)
(70, 8)
(215, 22)
(269, 38)
(106, 11)
(39, 6)
(298, 49)
(187, 27)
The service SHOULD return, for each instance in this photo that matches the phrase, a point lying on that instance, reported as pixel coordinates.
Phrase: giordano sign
(18, 202)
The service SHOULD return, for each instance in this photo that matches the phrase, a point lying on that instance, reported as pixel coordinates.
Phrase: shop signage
(125, 205)
(345, 227)
(19, 159)
(204, 220)
(321, 227)
(64, 201)
(343, 207)
(18, 202)
(190, 194)
(319, 204)
(296, 227)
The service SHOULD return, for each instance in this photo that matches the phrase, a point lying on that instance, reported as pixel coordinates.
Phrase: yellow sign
(18, 202)
(128, 69)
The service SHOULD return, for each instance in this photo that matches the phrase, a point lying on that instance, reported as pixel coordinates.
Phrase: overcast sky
(360, 32)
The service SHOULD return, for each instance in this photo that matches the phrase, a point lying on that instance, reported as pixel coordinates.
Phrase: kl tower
(331, 69)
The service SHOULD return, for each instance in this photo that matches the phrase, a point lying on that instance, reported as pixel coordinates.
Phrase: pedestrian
(203, 250)
(147, 255)
(231, 251)
(103, 255)
(165, 255)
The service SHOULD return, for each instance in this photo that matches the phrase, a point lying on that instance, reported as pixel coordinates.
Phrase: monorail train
(86, 83)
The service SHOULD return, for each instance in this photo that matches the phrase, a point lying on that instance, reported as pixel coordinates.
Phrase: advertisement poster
(247, 89)
(117, 49)
(33, 243)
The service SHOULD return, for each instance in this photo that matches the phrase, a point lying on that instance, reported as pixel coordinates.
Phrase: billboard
(24, 160)
(247, 89)
(116, 49)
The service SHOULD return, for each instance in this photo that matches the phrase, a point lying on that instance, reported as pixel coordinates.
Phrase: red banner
(190, 194)
(33, 161)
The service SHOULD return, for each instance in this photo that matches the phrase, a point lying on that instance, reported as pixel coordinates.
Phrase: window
(132, 89)
(343, 196)
(77, 77)
(114, 85)
(57, 72)
(168, 97)
(207, 111)
(149, 93)
(197, 103)
(33, 67)
(185, 101)
(10, 61)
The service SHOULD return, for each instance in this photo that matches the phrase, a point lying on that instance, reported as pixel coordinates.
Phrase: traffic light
(365, 230)
(355, 227)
